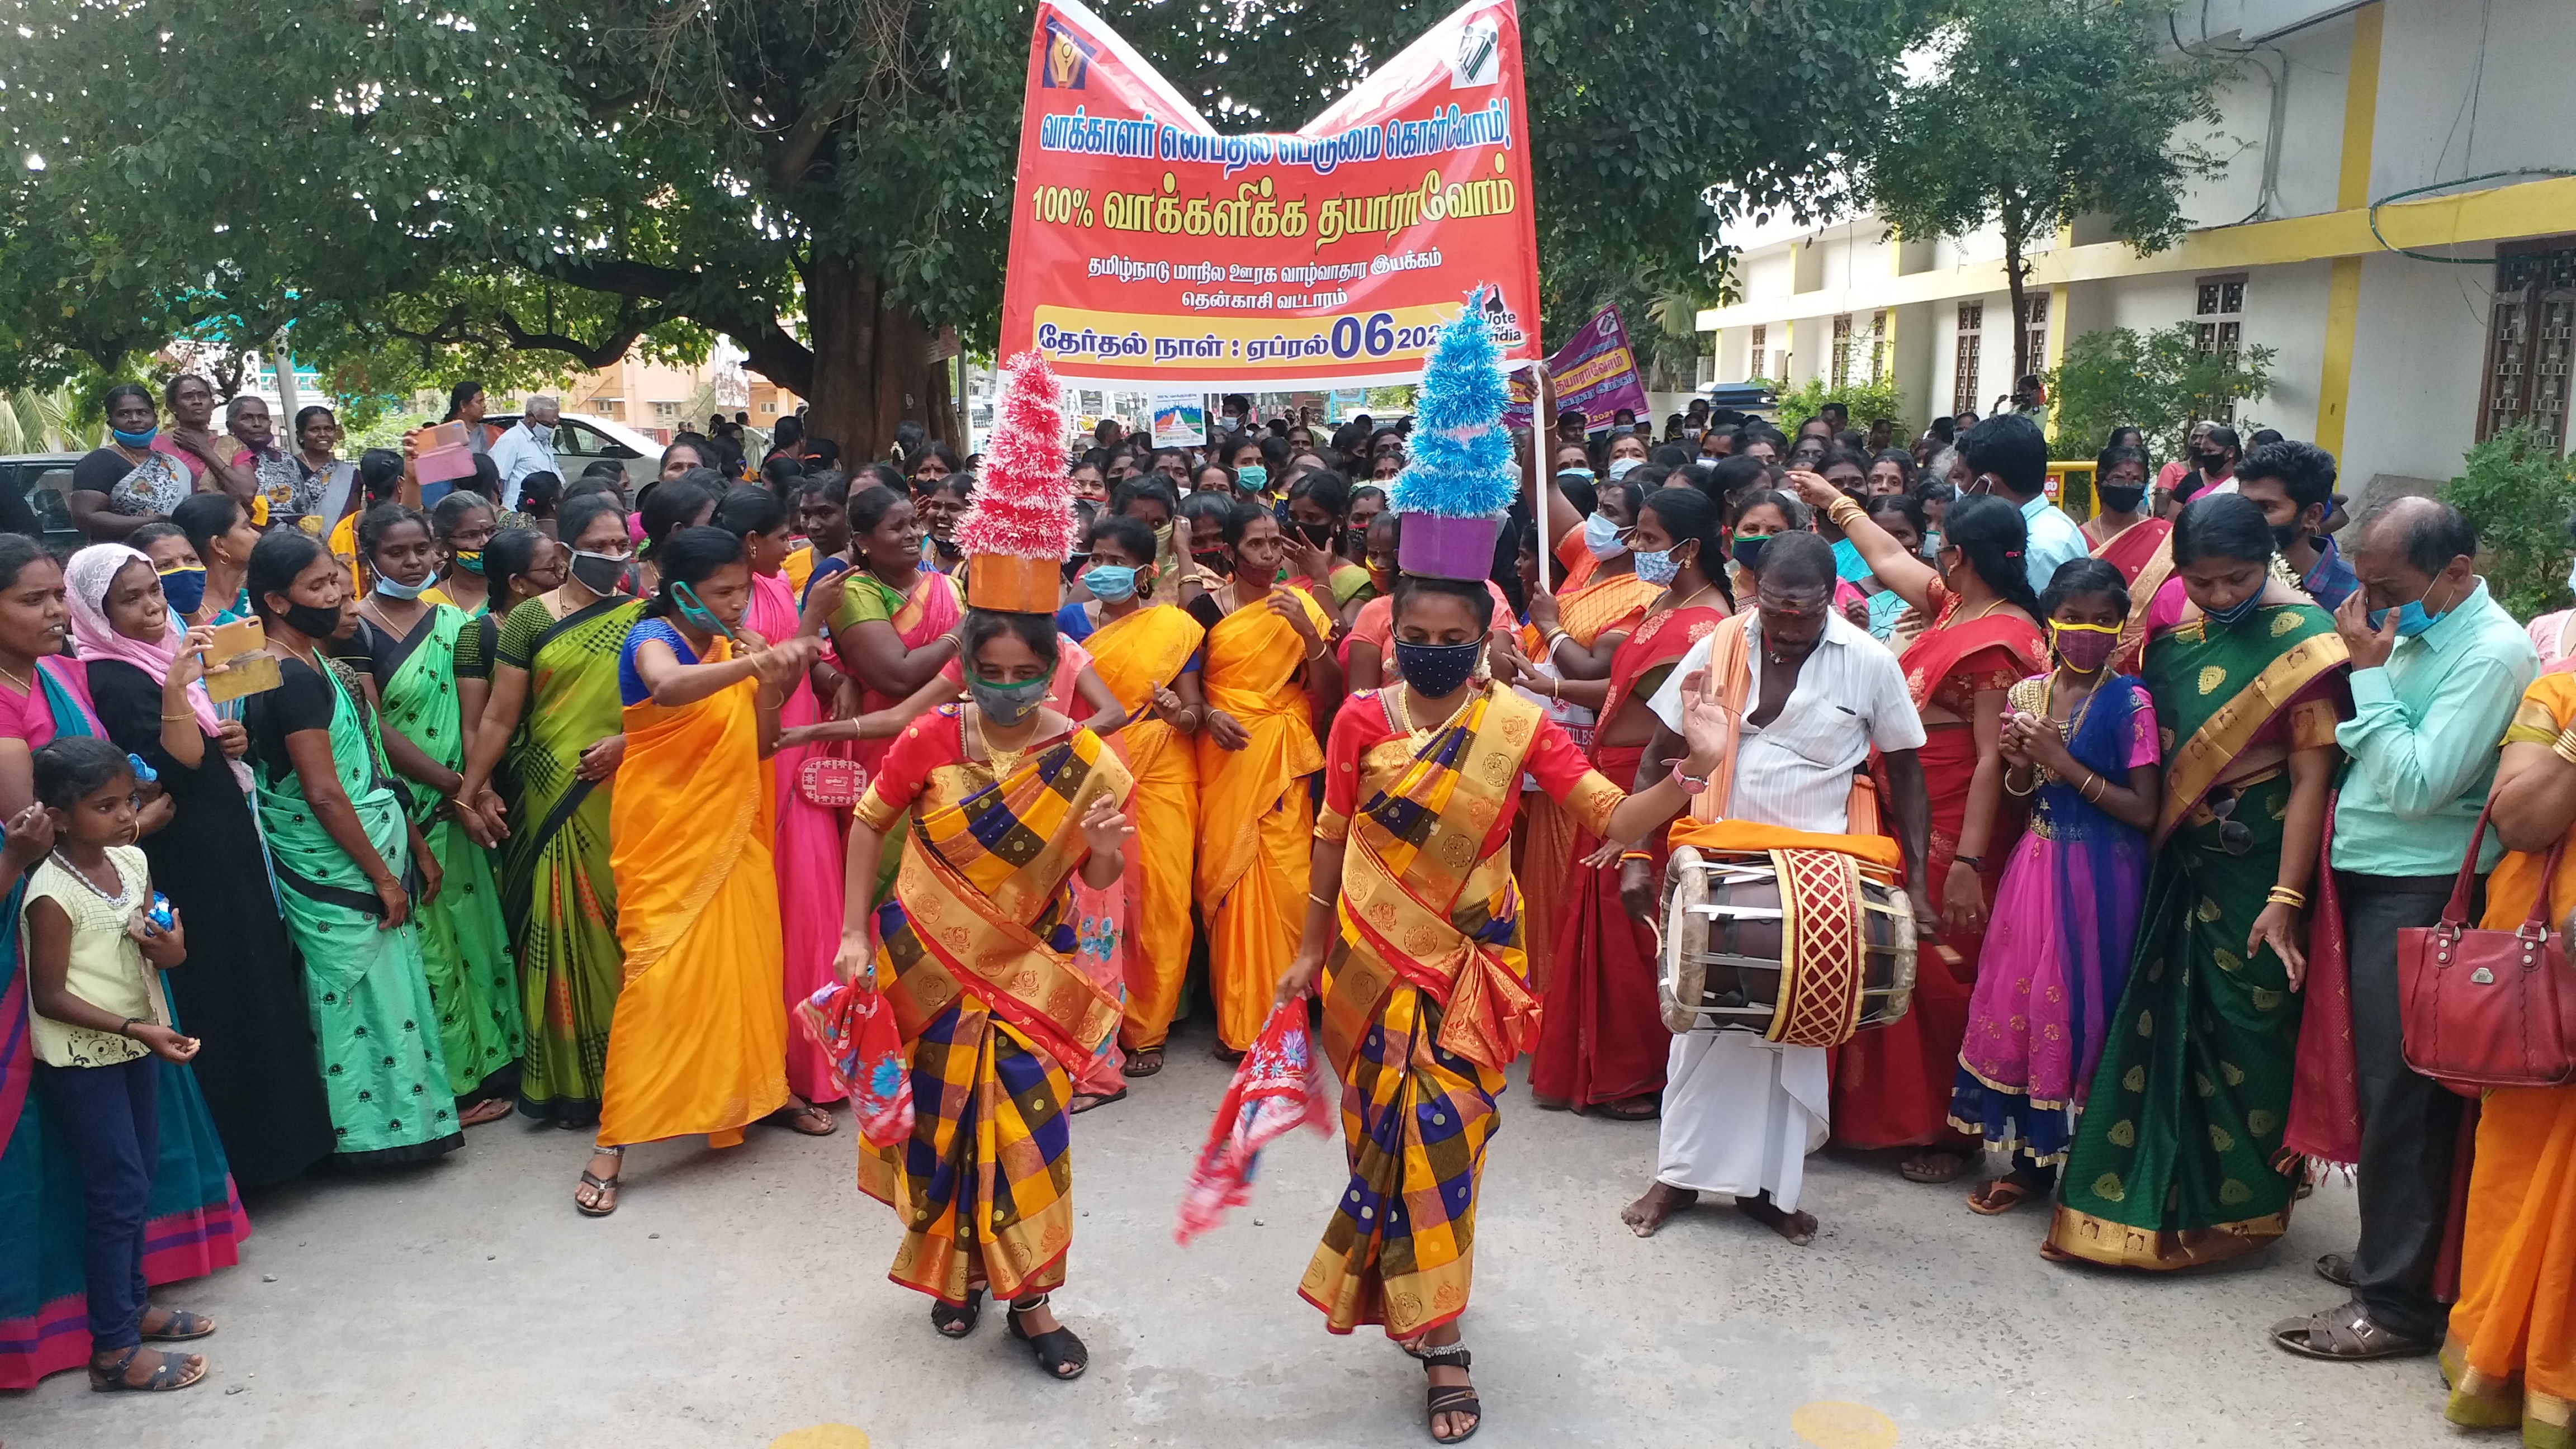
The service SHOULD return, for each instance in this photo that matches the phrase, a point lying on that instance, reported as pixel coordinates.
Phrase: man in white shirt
(1740, 1114)
(2008, 457)
(527, 448)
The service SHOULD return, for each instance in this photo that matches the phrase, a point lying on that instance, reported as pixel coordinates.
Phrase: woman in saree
(1414, 935)
(195, 1223)
(981, 954)
(1573, 638)
(521, 564)
(1604, 1043)
(407, 646)
(1147, 653)
(1892, 1084)
(243, 992)
(2080, 744)
(552, 708)
(699, 1044)
(2178, 1159)
(136, 477)
(465, 523)
(351, 870)
(220, 536)
(2511, 1354)
(807, 838)
(1268, 673)
(1318, 511)
(897, 620)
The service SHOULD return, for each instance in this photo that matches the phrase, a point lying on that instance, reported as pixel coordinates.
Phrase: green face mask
(1007, 704)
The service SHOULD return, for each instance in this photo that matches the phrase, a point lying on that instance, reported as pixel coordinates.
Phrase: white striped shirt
(1796, 771)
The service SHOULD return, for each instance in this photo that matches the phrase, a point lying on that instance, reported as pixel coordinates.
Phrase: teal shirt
(2423, 741)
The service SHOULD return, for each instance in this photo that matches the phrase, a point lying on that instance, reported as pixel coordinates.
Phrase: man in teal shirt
(2437, 669)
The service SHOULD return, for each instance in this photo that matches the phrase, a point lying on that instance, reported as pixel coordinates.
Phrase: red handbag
(2489, 1008)
(830, 782)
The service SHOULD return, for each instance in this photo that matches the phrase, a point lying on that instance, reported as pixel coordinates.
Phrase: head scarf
(87, 580)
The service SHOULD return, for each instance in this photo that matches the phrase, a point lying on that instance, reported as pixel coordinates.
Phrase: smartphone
(236, 664)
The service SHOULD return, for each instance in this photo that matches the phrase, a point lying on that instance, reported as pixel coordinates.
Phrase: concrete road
(737, 1297)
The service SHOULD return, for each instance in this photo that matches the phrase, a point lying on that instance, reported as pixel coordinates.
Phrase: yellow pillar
(2352, 189)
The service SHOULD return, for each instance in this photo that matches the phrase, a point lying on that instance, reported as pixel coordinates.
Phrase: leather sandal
(603, 1199)
(954, 1320)
(2335, 1268)
(1144, 1062)
(1058, 1351)
(172, 1372)
(2348, 1333)
(1450, 1398)
(182, 1326)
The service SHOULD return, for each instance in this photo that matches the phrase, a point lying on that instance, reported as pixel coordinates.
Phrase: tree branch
(631, 324)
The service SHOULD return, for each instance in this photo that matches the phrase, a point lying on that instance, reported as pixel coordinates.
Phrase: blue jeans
(114, 1117)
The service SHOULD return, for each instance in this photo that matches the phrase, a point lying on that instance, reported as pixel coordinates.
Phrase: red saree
(2130, 549)
(1601, 1033)
(1892, 1084)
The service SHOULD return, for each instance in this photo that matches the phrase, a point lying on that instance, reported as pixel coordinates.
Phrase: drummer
(1740, 1114)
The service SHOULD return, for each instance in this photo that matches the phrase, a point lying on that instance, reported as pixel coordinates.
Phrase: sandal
(490, 1109)
(181, 1326)
(172, 1372)
(1227, 1054)
(603, 1190)
(1085, 1101)
(1931, 1166)
(2346, 1332)
(1450, 1398)
(954, 1320)
(2335, 1268)
(806, 1121)
(1058, 1351)
(1631, 1109)
(1144, 1062)
(2000, 1196)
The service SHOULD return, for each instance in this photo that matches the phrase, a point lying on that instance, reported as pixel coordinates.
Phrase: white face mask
(542, 432)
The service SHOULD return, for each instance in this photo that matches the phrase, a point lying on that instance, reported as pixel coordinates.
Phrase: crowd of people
(565, 801)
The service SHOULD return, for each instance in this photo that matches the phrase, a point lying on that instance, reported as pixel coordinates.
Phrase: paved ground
(737, 1297)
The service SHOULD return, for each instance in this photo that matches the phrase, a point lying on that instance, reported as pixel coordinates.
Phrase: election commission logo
(1068, 59)
(1479, 61)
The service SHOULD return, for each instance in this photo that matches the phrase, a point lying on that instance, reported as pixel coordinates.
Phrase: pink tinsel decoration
(1023, 499)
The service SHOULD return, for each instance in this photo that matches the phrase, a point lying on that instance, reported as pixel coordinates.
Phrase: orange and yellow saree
(1256, 820)
(1135, 656)
(699, 1040)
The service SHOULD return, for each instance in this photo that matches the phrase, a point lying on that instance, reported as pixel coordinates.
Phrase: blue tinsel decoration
(1463, 465)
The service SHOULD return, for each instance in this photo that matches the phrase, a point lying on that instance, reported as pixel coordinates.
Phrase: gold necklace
(1404, 712)
(26, 686)
(1004, 763)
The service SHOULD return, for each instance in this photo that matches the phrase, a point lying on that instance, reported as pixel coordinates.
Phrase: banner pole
(1542, 425)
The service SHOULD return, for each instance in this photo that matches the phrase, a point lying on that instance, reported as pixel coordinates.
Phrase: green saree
(556, 887)
(383, 1070)
(2174, 1162)
(464, 945)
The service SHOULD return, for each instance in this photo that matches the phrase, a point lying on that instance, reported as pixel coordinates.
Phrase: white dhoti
(1741, 1115)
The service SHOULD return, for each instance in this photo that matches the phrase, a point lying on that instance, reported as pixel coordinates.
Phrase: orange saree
(1135, 656)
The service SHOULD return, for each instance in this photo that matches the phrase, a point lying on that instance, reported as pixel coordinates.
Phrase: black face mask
(1437, 669)
(1355, 542)
(2120, 498)
(312, 620)
(1215, 561)
(598, 572)
(1747, 548)
(1318, 534)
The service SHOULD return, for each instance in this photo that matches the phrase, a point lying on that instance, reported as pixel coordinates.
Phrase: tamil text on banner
(1149, 250)
(1594, 373)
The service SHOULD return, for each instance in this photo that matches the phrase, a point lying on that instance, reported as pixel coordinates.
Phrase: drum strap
(1729, 683)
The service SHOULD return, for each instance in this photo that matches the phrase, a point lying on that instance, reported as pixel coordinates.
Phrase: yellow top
(107, 967)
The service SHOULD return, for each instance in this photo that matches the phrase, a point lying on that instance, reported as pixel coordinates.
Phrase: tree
(2160, 382)
(2044, 111)
(2520, 492)
(503, 188)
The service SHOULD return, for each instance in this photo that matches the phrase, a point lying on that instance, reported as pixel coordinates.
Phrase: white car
(582, 441)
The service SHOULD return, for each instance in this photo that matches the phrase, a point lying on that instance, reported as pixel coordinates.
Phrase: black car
(34, 498)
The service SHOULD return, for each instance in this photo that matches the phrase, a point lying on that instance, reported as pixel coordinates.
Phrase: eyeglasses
(2234, 835)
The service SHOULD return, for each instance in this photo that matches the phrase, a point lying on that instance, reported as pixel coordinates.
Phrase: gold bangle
(1319, 900)
(2281, 895)
(2564, 747)
(1548, 644)
(191, 714)
(2009, 790)
(2094, 795)
(1842, 511)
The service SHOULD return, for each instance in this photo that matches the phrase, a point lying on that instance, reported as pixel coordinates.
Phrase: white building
(2396, 365)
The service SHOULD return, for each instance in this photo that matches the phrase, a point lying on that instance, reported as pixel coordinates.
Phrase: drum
(1804, 965)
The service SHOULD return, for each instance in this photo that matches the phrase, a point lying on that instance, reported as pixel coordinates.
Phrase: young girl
(2081, 742)
(94, 958)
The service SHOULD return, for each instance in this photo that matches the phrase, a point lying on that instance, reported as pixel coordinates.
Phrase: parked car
(581, 441)
(44, 481)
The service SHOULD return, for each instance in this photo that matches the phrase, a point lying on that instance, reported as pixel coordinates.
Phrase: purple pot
(1440, 547)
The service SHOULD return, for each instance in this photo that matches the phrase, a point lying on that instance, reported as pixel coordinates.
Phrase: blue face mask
(1110, 583)
(2412, 618)
(1658, 567)
(136, 440)
(1601, 536)
(1619, 467)
(2238, 613)
(184, 588)
(1438, 670)
(393, 588)
(1255, 477)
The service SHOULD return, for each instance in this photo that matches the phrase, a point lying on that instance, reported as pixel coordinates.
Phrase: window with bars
(1759, 365)
(1963, 385)
(1878, 347)
(2034, 327)
(2218, 321)
(1842, 350)
(2531, 338)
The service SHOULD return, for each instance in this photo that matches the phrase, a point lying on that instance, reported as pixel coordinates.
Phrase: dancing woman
(1413, 932)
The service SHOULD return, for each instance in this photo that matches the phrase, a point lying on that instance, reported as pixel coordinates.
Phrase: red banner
(1147, 249)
